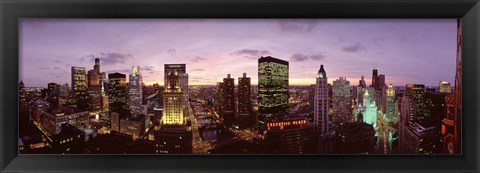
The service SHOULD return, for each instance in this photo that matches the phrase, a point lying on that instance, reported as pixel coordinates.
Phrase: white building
(320, 108)
(135, 93)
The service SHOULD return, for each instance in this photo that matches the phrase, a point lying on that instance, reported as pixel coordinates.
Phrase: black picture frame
(12, 10)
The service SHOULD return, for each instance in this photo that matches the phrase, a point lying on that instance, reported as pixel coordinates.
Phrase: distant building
(375, 78)
(272, 88)
(342, 111)
(135, 95)
(246, 116)
(79, 87)
(294, 135)
(321, 102)
(53, 94)
(444, 87)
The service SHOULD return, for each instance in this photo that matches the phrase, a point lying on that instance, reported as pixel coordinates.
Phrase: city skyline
(213, 48)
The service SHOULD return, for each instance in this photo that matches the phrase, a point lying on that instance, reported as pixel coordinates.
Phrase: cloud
(198, 59)
(149, 69)
(358, 47)
(172, 52)
(56, 68)
(250, 53)
(301, 57)
(198, 69)
(112, 58)
(297, 26)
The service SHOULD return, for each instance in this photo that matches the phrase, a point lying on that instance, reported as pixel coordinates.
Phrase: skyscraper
(374, 77)
(272, 88)
(320, 106)
(417, 92)
(135, 91)
(342, 111)
(117, 95)
(183, 81)
(79, 87)
(228, 113)
(53, 92)
(95, 87)
(246, 117)
(391, 104)
(173, 100)
(362, 82)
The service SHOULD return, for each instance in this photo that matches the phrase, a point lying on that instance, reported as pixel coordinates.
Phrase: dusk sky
(405, 50)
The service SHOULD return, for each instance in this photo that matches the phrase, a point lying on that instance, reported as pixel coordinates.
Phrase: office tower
(362, 82)
(52, 122)
(95, 84)
(173, 100)
(65, 91)
(292, 135)
(117, 94)
(374, 77)
(219, 99)
(391, 104)
(436, 107)
(246, 117)
(183, 82)
(228, 113)
(444, 87)
(355, 138)
(135, 91)
(79, 87)
(417, 139)
(53, 91)
(380, 81)
(272, 88)
(408, 113)
(342, 111)
(320, 106)
(417, 92)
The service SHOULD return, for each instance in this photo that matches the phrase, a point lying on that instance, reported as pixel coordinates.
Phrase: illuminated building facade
(115, 122)
(117, 94)
(79, 87)
(417, 92)
(369, 107)
(173, 101)
(272, 88)
(95, 87)
(444, 87)
(342, 111)
(134, 125)
(246, 116)
(52, 122)
(228, 112)
(294, 135)
(183, 81)
(391, 104)
(135, 91)
(320, 106)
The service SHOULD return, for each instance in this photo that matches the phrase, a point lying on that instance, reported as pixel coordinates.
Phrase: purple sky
(406, 51)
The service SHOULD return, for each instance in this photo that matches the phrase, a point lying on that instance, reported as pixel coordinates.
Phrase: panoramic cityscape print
(240, 86)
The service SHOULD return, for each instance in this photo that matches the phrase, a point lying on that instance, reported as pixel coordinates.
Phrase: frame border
(12, 10)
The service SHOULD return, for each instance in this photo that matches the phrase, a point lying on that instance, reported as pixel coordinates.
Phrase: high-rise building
(135, 91)
(374, 77)
(417, 92)
(272, 88)
(173, 100)
(369, 107)
(53, 91)
(391, 104)
(228, 113)
(454, 145)
(79, 87)
(95, 83)
(246, 116)
(219, 99)
(362, 82)
(444, 87)
(117, 94)
(342, 111)
(320, 108)
(417, 139)
(183, 82)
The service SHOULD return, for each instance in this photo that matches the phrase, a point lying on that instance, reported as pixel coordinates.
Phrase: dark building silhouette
(112, 143)
(272, 88)
(53, 91)
(293, 135)
(117, 94)
(355, 138)
(173, 140)
(69, 141)
(246, 116)
(228, 112)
